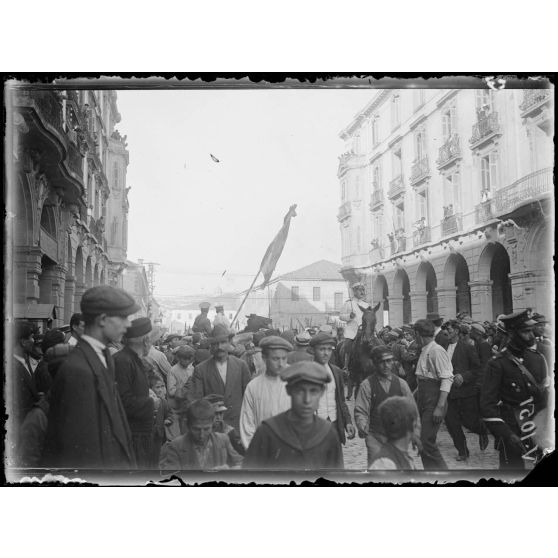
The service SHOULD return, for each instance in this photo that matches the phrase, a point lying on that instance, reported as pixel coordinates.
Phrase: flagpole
(245, 297)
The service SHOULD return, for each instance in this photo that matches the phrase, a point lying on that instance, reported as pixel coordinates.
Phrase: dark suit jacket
(133, 386)
(466, 362)
(24, 394)
(206, 380)
(87, 423)
(343, 414)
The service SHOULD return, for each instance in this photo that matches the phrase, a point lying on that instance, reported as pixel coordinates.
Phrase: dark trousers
(143, 449)
(510, 457)
(462, 412)
(428, 395)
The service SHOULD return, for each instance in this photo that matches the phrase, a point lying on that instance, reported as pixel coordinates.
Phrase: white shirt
(451, 349)
(98, 347)
(356, 306)
(327, 408)
(222, 369)
(265, 397)
(435, 363)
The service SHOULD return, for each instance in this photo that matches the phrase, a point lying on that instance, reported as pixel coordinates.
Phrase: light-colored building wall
(466, 161)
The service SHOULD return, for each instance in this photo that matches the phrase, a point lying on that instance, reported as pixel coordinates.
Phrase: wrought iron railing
(396, 186)
(344, 211)
(376, 199)
(75, 160)
(484, 212)
(485, 126)
(450, 150)
(451, 224)
(421, 236)
(533, 97)
(419, 169)
(49, 108)
(524, 190)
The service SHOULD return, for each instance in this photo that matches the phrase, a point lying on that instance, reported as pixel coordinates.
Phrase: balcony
(397, 241)
(344, 211)
(396, 187)
(527, 189)
(376, 251)
(449, 152)
(419, 170)
(537, 105)
(49, 109)
(75, 160)
(484, 212)
(421, 234)
(485, 129)
(451, 224)
(377, 199)
(97, 229)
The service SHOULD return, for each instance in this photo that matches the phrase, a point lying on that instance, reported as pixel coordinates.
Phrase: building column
(54, 279)
(531, 289)
(69, 297)
(395, 311)
(481, 300)
(418, 305)
(27, 264)
(79, 289)
(446, 302)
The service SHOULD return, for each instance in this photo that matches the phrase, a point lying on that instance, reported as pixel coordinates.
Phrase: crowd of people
(117, 394)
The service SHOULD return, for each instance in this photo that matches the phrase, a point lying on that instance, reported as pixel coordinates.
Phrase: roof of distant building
(322, 270)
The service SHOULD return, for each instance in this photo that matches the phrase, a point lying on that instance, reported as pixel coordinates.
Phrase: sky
(208, 224)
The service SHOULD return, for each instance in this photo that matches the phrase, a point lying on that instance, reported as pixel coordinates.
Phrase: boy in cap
(265, 395)
(87, 426)
(133, 387)
(514, 392)
(298, 439)
(179, 387)
(201, 448)
(219, 424)
(332, 405)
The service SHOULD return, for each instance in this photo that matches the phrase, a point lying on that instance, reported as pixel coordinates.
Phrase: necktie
(29, 367)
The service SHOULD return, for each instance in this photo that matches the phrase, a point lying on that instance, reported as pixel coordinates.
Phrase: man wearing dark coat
(133, 387)
(87, 423)
(222, 374)
(297, 439)
(463, 408)
(202, 324)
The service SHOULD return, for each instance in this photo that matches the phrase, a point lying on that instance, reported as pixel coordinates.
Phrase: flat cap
(217, 401)
(105, 299)
(138, 327)
(52, 337)
(305, 371)
(397, 330)
(433, 316)
(392, 335)
(302, 338)
(478, 327)
(172, 336)
(517, 320)
(205, 305)
(275, 342)
(322, 338)
(407, 327)
(185, 351)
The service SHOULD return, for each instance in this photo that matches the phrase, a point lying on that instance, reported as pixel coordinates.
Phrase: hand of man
(351, 431)
(362, 433)
(438, 414)
(458, 380)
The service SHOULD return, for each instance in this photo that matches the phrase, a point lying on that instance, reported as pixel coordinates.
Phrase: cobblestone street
(354, 451)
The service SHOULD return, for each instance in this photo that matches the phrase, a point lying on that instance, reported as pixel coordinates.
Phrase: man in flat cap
(543, 344)
(514, 392)
(88, 427)
(220, 318)
(333, 406)
(298, 439)
(300, 352)
(265, 395)
(202, 324)
(133, 387)
(223, 374)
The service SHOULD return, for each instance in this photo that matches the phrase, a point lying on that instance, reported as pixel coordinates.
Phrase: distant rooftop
(323, 270)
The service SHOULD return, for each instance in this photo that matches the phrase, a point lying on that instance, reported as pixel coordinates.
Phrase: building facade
(447, 202)
(310, 296)
(67, 195)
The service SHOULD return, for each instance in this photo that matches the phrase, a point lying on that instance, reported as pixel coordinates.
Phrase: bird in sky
(214, 158)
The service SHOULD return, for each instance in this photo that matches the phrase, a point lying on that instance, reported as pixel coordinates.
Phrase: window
(489, 171)
(484, 101)
(452, 193)
(316, 294)
(395, 111)
(418, 98)
(375, 130)
(115, 176)
(449, 122)
(357, 188)
(396, 162)
(338, 301)
(294, 293)
(422, 206)
(376, 178)
(400, 216)
(378, 226)
(420, 144)
(358, 239)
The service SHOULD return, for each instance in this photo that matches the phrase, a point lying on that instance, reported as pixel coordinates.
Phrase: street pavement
(354, 452)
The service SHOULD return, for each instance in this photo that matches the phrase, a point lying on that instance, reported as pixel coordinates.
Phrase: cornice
(365, 113)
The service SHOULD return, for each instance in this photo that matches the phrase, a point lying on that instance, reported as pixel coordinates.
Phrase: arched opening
(102, 279)
(456, 274)
(88, 273)
(48, 220)
(96, 275)
(45, 281)
(23, 232)
(381, 293)
(79, 266)
(501, 284)
(402, 287)
(427, 282)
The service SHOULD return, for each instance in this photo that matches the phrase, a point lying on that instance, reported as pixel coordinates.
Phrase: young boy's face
(160, 390)
(322, 353)
(200, 430)
(305, 398)
(185, 361)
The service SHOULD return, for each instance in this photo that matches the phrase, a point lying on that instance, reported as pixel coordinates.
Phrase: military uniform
(513, 392)
(202, 323)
